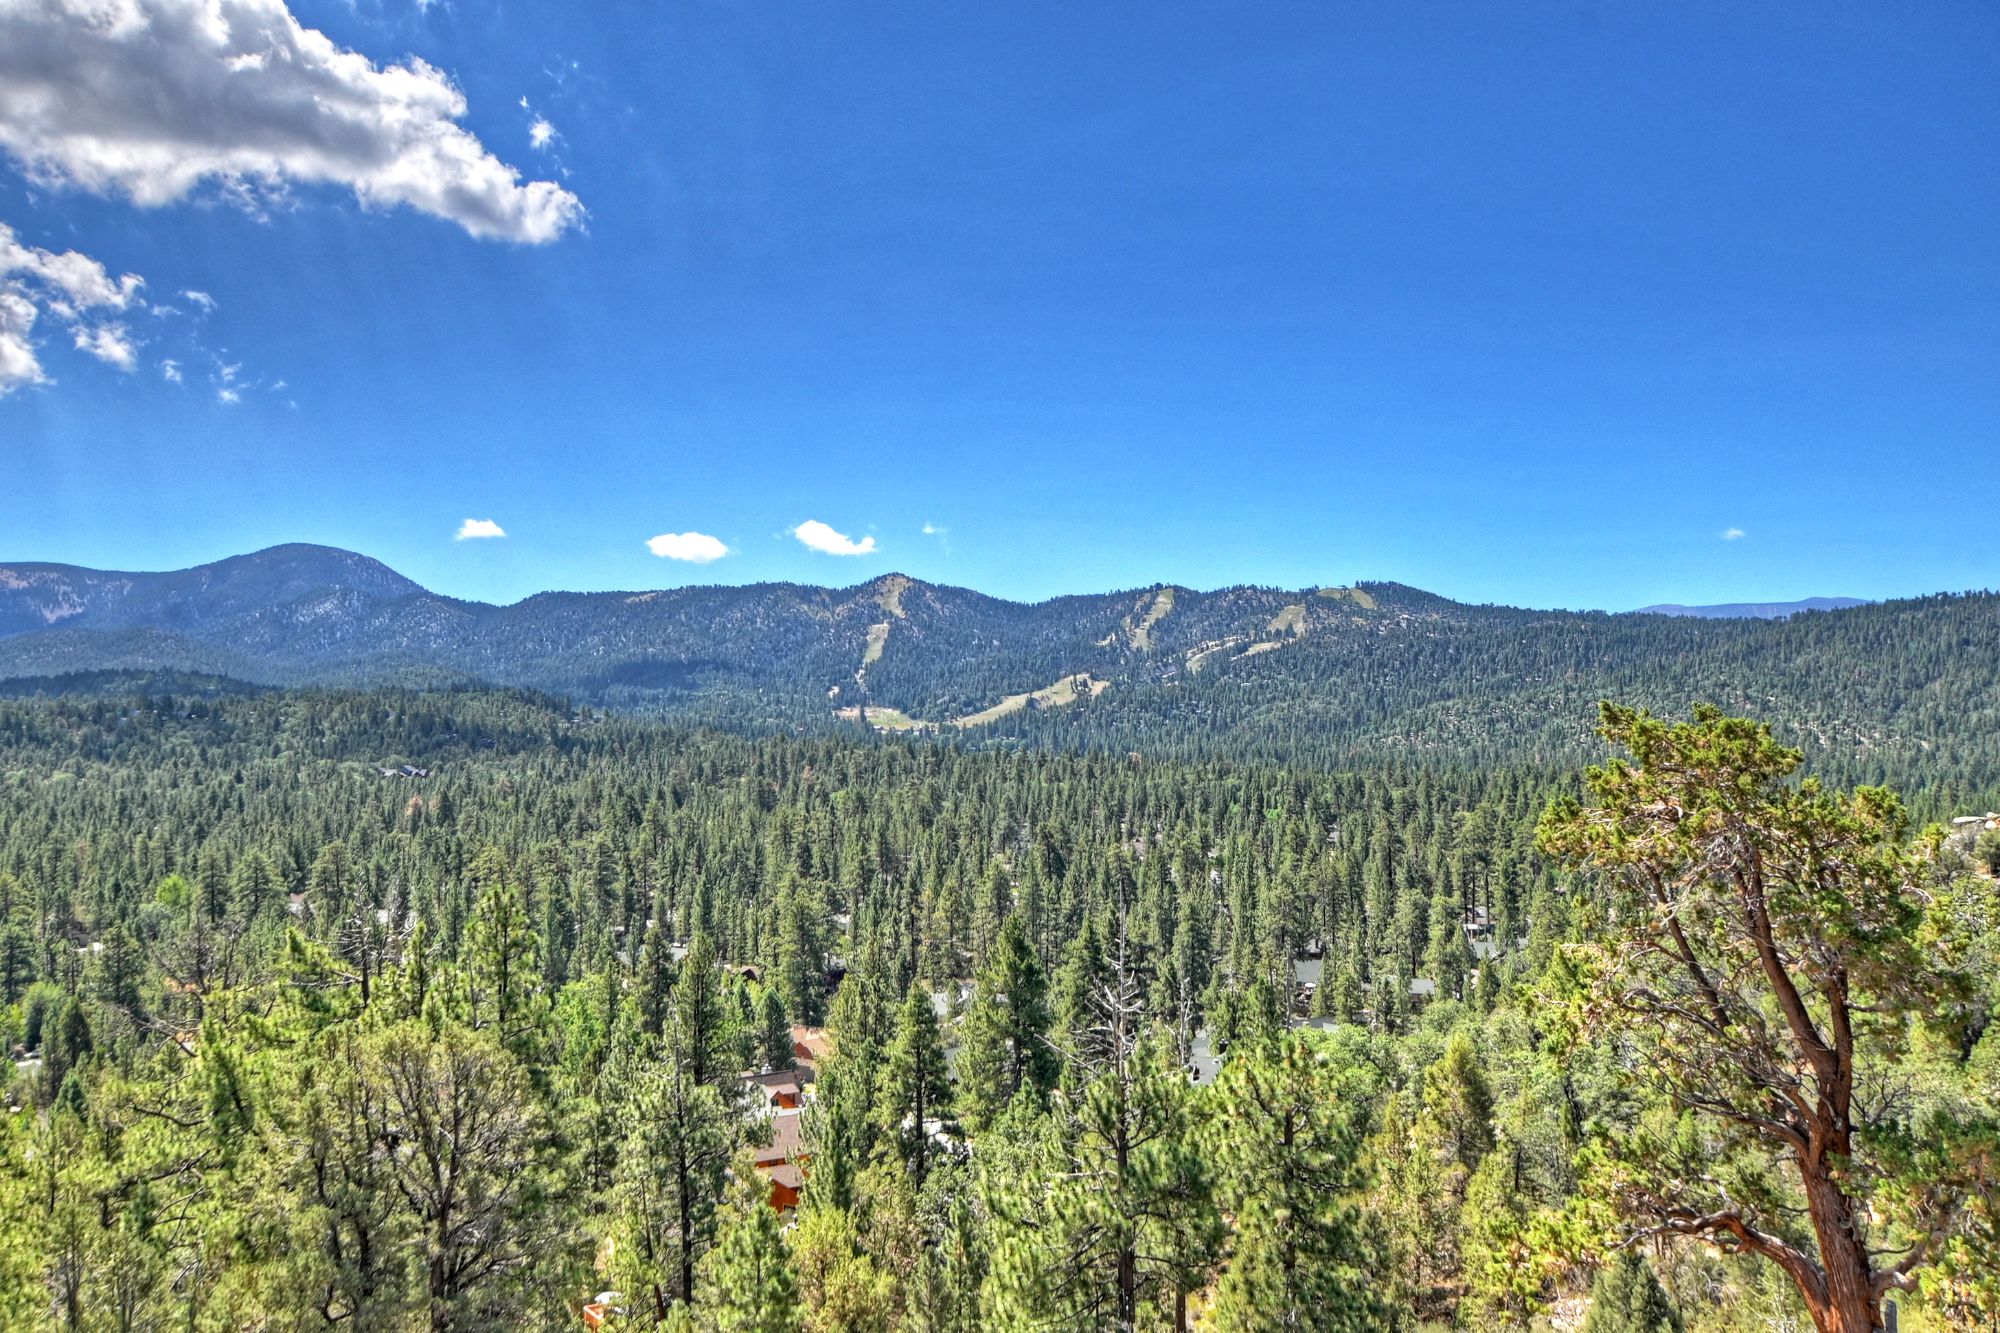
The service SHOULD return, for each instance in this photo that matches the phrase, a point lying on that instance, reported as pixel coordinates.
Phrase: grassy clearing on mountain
(1139, 635)
(1198, 658)
(1365, 601)
(890, 596)
(883, 719)
(1065, 691)
(878, 639)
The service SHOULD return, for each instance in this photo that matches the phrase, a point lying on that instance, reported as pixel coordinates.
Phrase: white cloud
(478, 527)
(153, 99)
(228, 395)
(18, 363)
(540, 133)
(936, 530)
(697, 548)
(69, 285)
(109, 343)
(72, 282)
(79, 292)
(1733, 534)
(825, 540)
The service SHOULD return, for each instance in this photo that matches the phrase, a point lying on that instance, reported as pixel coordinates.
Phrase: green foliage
(1987, 849)
(1113, 1217)
(277, 997)
(698, 1035)
(747, 1282)
(915, 1088)
(1005, 1036)
(841, 1289)
(774, 1032)
(1627, 1298)
(668, 1183)
(1285, 1142)
(1765, 959)
(467, 1135)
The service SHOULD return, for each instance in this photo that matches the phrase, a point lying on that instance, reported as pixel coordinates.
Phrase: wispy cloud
(18, 363)
(156, 99)
(109, 343)
(936, 530)
(540, 133)
(697, 548)
(202, 299)
(819, 537)
(1733, 534)
(72, 281)
(475, 528)
(68, 285)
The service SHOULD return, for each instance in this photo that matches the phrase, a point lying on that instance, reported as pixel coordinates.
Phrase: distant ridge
(1307, 674)
(1752, 610)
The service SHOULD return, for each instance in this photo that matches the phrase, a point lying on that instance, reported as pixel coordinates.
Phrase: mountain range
(1265, 672)
(1753, 610)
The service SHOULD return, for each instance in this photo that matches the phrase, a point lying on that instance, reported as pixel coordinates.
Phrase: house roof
(787, 1140)
(800, 1075)
(811, 1043)
(1204, 1061)
(943, 1000)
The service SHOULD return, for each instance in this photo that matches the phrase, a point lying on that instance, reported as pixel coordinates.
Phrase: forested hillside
(1325, 676)
(463, 1010)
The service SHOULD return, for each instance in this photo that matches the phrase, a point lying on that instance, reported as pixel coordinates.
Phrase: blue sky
(1529, 303)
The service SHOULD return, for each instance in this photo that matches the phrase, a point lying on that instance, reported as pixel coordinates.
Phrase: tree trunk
(684, 1192)
(1850, 1303)
(922, 1143)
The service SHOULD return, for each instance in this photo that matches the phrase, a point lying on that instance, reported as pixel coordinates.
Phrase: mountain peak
(42, 596)
(296, 569)
(888, 592)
